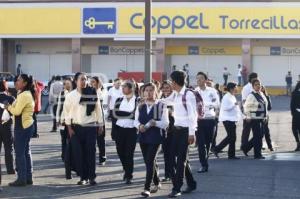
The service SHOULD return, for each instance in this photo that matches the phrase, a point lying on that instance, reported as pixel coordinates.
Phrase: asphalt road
(276, 177)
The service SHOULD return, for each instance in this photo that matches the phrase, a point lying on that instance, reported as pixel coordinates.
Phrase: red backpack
(199, 102)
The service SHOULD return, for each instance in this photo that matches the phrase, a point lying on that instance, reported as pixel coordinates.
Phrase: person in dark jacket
(295, 110)
(266, 124)
(166, 146)
(6, 136)
(150, 119)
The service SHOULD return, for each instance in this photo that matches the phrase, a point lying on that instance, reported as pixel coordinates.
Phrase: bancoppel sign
(125, 50)
(293, 51)
(285, 51)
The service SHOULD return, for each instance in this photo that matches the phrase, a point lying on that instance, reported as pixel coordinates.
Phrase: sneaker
(82, 182)
(174, 194)
(155, 188)
(146, 193)
(166, 179)
(203, 170)
(17, 183)
(92, 182)
(30, 182)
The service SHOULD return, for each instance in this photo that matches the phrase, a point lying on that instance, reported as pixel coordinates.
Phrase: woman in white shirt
(230, 114)
(97, 84)
(126, 133)
(151, 118)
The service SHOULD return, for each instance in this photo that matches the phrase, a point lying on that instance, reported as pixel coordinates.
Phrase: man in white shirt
(206, 125)
(247, 89)
(184, 134)
(114, 93)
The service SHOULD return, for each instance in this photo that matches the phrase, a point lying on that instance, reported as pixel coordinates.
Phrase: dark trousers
(101, 147)
(214, 139)
(181, 168)
(149, 152)
(113, 126)
(166, 147)
(126, 142)
(296, 127)
(23, 153)
(64, 136)
(267, 134)
(54, 108)
(87, 140)
(245, 133)
(256, 141)
(6, 137)
(230, 128)
(206, 129)
(35, 134)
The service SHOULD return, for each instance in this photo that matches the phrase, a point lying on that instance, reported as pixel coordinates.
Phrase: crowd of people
(168, 115)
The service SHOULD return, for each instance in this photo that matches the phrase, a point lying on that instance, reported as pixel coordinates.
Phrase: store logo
(99, 20)
(193, 50)
(275, 50)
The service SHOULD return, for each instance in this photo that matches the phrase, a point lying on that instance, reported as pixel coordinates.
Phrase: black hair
(252, 76)
(217, 86)
(57, 78)
(255, 81)
(117, 79)
(3, 86)
(178, 77)
(29, 86)
(203, 74)
(16, 78)
(96, 79)
(230, 86)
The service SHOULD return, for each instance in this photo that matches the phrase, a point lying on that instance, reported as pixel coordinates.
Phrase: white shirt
(163, 123)
(211, 101)
(239, 72)
(114, 95)
(247, 89)
(61, 118)
(229, 111)
(127, 106)
(184, 118)
(54, 91)
(5, 115)
(76, 113)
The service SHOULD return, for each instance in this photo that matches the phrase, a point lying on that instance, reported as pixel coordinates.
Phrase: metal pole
(148, 42)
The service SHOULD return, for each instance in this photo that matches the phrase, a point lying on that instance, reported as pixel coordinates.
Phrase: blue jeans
(23, 153)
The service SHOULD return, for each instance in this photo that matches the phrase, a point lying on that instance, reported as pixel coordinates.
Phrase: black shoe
(17, 183)
(128, 181)
(82, 182)
(166, 179)
(271, 149)
(102, 163)
(203, 170)
(213, 150)
(234, 158)
(260, 158)
(244, 151)
(155, 188)
(146, 193)
(53, 130)
(174, 194)
(29, 182)
(189, 190)
(298, 147)
(93, 182)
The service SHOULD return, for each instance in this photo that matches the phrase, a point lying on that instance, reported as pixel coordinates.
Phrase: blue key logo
(99, 20)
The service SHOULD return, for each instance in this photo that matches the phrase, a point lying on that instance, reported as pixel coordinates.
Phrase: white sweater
(229, 111)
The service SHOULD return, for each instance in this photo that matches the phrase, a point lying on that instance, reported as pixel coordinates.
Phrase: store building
(65, 37)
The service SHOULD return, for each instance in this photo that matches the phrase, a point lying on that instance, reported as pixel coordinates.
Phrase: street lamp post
(148, 42)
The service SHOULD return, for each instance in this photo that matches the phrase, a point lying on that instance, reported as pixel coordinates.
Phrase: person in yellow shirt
(22, 110)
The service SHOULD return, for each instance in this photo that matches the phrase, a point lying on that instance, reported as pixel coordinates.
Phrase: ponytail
(29, 86)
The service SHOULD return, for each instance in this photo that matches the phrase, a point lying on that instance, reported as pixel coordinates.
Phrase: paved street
(276, 177)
